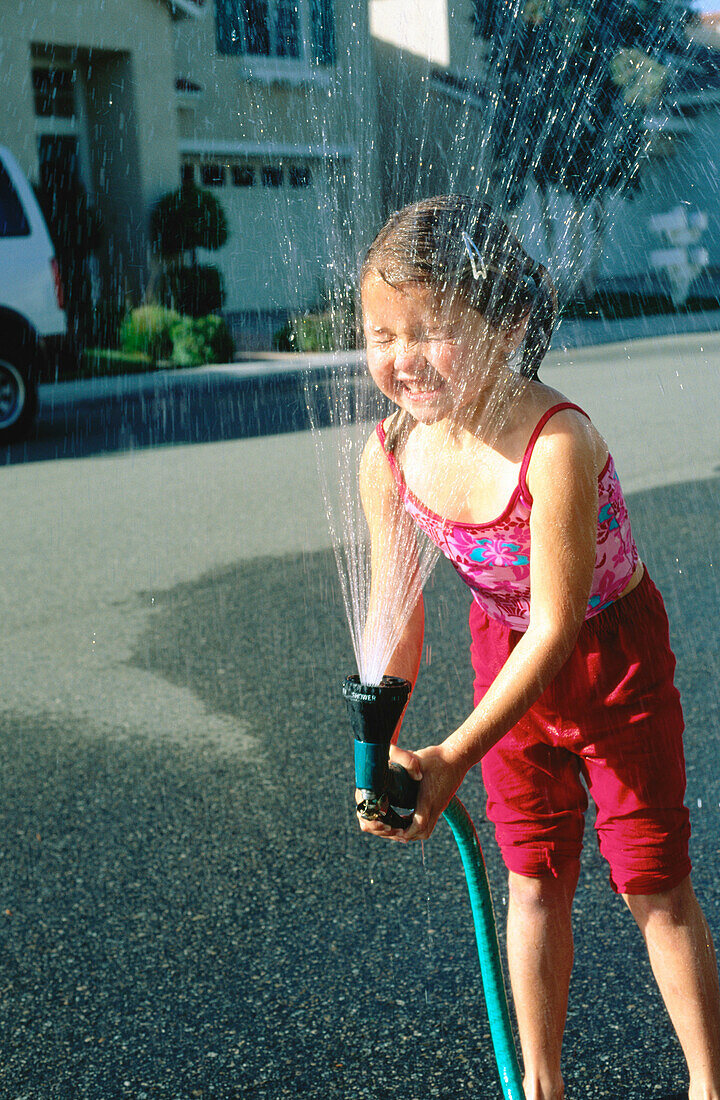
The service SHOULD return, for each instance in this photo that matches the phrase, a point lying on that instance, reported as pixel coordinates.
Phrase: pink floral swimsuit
(494, 558)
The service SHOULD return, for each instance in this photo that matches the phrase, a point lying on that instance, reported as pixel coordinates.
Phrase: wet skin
(432, 359)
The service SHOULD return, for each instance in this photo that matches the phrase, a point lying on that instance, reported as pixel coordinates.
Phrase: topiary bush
(194, 291)
(182, 222)
(148, 330)
(187, 219)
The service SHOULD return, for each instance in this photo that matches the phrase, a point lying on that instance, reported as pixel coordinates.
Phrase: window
(54, 91)
(272, 177)
(243, 176)
(185, 84)
(187, 173)
(289, 29)
(265, 28)
(13, 222)
(212, 175)
(300, 177)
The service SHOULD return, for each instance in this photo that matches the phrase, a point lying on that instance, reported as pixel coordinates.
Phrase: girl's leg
(683, 961)
(540, 957)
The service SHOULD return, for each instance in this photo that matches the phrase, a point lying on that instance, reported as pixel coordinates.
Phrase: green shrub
(201, 340)
(194, 291)
(309, 332)
(148, 330)
(77, 231)
(216, 336)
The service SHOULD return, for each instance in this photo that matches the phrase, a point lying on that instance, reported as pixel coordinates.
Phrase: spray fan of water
(351, 404)
(538, 107)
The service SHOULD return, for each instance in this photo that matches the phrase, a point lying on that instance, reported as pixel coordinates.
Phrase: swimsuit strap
(534, 438)
(522, 483)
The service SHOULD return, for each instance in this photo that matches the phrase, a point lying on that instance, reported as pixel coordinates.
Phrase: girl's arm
(562, 479)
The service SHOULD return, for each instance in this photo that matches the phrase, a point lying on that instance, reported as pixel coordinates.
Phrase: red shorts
(611, 718)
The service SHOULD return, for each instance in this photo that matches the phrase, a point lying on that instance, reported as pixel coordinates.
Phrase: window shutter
(229, 29)
(322, 17)
(257, 27)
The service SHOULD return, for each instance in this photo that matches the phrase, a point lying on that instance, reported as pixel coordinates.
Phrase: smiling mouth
(418, 393)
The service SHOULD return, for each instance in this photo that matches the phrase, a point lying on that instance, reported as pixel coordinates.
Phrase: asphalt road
(187, 907)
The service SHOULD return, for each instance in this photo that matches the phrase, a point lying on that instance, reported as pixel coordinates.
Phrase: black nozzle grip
(396, 820)
(402, 791)
(402, 788)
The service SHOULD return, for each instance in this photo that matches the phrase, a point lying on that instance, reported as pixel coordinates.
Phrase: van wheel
(18, 402)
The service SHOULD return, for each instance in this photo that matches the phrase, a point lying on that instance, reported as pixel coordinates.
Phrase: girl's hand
(410, 762)
(440, 775)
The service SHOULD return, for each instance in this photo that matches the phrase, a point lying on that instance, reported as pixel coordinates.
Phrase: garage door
(282, 223)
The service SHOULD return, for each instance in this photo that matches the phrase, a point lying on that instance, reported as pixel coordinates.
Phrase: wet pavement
(187, 907)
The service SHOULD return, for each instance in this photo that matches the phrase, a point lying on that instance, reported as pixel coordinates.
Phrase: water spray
(385, 788)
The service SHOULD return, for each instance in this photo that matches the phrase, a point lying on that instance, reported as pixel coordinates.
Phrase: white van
(32, 319)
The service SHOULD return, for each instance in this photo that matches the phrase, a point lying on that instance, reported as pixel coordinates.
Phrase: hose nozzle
(375, 711)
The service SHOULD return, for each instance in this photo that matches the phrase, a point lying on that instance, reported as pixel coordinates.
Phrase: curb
(58, 395)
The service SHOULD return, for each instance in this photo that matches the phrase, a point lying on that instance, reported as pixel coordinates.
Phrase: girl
(573, 670)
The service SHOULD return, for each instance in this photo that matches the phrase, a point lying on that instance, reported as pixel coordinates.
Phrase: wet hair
(460, 248)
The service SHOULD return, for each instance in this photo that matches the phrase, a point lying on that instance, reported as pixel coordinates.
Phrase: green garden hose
(374, 711)
(473, 862)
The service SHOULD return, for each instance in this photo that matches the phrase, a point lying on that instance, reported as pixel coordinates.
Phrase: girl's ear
(515, 336)
(519, 331)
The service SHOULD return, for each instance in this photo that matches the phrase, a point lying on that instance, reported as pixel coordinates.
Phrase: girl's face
(432, 360)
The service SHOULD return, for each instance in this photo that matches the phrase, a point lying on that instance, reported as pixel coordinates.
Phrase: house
(277, 116)
(263, 103)
(681, 170)
(308, 119)
(432, 106)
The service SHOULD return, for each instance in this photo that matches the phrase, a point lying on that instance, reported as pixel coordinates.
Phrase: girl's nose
(407, 358)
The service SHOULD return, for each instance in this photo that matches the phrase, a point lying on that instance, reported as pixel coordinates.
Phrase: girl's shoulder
(543, 409)
(376, 472)
(374, 450)
(556, 427)
(379, 443)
